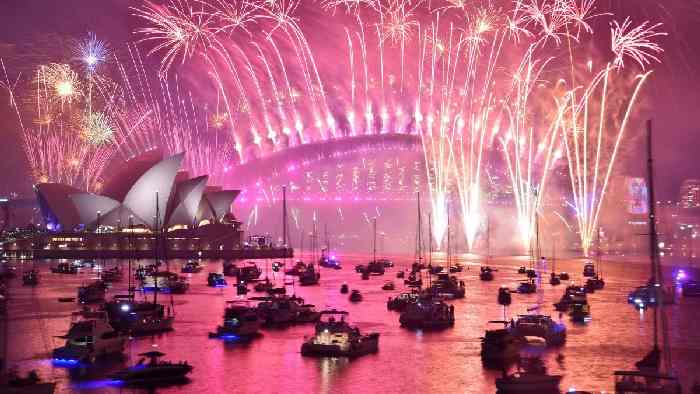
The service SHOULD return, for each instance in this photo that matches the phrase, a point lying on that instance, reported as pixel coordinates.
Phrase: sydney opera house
(148, 205)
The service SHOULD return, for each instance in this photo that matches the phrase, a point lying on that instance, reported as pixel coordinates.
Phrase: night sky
(673, 91)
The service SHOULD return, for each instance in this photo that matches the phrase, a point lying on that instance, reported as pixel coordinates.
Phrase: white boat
(89, 339)
(334, 337)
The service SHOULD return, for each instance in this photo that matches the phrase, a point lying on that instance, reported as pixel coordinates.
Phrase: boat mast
(488, 238)
(430, 238)
(131, 251)
(374, 240)
(284, 216)
(449, 244)
(155, 250)
(599, 256)
(419, 241)
(653, 238)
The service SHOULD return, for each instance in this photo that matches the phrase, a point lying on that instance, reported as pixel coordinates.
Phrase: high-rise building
(690, 193)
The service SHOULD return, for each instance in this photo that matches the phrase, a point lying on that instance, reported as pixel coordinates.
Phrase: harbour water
(407, 361)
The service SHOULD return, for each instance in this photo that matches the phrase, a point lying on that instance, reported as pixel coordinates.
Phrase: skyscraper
(690, 193)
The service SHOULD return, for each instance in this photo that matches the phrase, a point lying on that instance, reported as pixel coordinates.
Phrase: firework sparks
(91, 52)
(635, 43)
(97, 129)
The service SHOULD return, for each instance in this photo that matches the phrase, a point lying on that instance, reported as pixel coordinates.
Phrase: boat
(386, 263)
(447, 286)
(589, 269)
(249, 272)
(527, 287)
(541, 326)
(691, 288)
(88, 339)
(191, 267)
(310, 276)
(419, 263)
(264, 286)
(400, 302)
(65, 268)
(428, 313)
(499, 346)
(486, 273)
(298, 268)
(645, 382)
(595, 283)
(168, 282)
(456, 268)
(215, 279)
(522, 270)
(241, 322)
(400, 275)
(360, 268)
(531, 273)
(113, 274)
(435, 269)
(92, 293)
(504, 296)
(413, 280)
(31, 384)
(554, 279)
(388, 285)
(230, 269)
(365, 275)
(344, 289)
(278, 310)
(580, 311)
(374, 268)
(654, 370)
(334, 337)
(138, 317)
(30, 278)
(572, 294)
(355, 296)
(153, 371)
(564, 276)
(328, 260)
(531, 377)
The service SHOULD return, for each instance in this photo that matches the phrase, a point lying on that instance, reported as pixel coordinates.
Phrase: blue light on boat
(65, 362)
(230, 338)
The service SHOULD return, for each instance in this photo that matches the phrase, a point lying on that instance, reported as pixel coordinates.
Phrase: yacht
(580, 311)
(215, 279)
(355, 296)
(388, 285)
(334, 337)
(89, 339)
(572, 294)
(31, 384)
(400, 302)
(344, 289)
(428, 314)
(191, 267)
(30, 278)
(564, 276)
(527, 287)
(167, 282)
(554, 279)
(531, 377)
(249, 272)
(589, 270)
(92, 293)
(499, 345)
(309, 276)
(329, 261)
(297, 269)
(486, 273)
(241, 322)
(65, 268)
(264, 286)
(138, 317)
(541, 326)
(153, 371)
(413, 280)
(522, 270)
(282, 310)
(447, 286)
(596, 282)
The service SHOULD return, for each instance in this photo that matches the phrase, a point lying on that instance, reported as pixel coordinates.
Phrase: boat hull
(367, 345)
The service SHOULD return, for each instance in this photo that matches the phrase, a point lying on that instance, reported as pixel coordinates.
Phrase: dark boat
(365, 275)
(527, 287)
(89, 338)
(310, 276)
(589, 270)
(344, 289)
(504, 296)
(596, 283)
(564, 275)
(138, 317)
(531, 273)
(334, 337)
(580, 311)
(215, 279)
(486, 273)
(691, 288)
(241, 322)
(499, 346)
(355, 296)
(386, 263)
(522, 270)
(113, 274)
(154, 371)
(400, 302)
(572, 294)
(554, 279)
(249, 272)
(92, 293)
(435, 269)
(298, 268)
(30, 278)
(541, 326)
(264, 286)
(388, 285)
(413, 280)
(428, 314)
(230, 269)
(400, 275)
(280, 310)
(530, 377)
(375, 268)
(456, 268)
(645, 382)
(447, 286)
(31, 384)
(65, 268)
(191, 267)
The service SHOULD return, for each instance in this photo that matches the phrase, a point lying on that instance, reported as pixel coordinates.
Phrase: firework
(635, 43)
(91, 52)
(97, 129)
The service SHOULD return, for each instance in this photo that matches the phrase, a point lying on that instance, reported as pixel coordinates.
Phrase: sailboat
(141, 317)
(328, 259)
(486, 272)
(554, 278)
(529, 286)
(597, 282)
(651, 376)
(310, 276)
